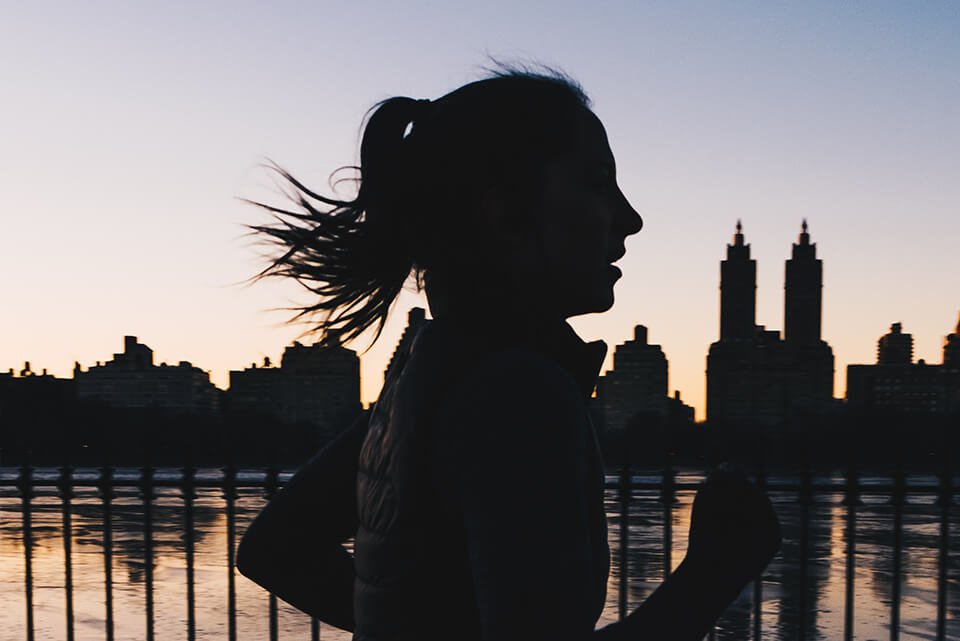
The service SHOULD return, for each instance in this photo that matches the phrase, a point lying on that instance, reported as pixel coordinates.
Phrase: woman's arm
(294, 546)
(734, 533)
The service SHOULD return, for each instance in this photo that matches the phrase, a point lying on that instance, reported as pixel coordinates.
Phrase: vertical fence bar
(147, 495)
(668, 496)
(230, 497)
(106, 493)
(187, 490)
(943, 500)
(851, 500)
(896, 499)
(624, 537)
(270, 487)
(66, 524)
(758, 583)
(757, 607)
(274, 632)
(806, 498)
(26, 496)
(314, 629)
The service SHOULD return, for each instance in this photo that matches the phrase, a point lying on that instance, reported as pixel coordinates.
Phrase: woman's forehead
(590, 138)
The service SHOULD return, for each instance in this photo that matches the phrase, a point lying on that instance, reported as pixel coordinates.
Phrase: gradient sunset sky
(129, 130)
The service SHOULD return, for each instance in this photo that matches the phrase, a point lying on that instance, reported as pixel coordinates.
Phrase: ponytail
(354, 255)
(422, 164)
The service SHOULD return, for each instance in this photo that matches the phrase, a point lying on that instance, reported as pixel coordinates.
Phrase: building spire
(804, 233)
(738, 290)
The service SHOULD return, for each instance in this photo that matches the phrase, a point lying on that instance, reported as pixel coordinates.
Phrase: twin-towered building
(757, 378)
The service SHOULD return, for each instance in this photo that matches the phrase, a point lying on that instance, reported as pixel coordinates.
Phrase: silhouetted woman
(475, 487)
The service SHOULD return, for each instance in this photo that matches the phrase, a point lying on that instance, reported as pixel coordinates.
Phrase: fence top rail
(209, 477)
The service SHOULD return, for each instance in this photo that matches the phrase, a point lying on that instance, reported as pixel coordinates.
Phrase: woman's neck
(478, 304)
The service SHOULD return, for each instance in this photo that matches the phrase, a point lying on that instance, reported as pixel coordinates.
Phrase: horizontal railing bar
(96, 483)
(838, 487)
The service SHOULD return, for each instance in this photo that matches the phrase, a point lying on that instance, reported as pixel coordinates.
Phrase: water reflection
(803, 591)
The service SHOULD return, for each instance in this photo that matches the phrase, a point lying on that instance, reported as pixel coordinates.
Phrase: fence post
(65, 485)
(944, 499)
(851, 500)
(187, 490)
(668, 495)
(805, 499)
(106, 494)
(26, 496)
(896, 500)
(758, 583)
(230, 497)
(623, 558)
(270, 487)
(147, 495)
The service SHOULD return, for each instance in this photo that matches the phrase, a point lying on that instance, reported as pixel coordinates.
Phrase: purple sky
(127, 133)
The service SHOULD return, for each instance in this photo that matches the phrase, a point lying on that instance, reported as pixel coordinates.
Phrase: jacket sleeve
(294, 546)
(512, 458)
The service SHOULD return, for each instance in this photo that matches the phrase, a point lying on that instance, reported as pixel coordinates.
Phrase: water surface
(797, 597)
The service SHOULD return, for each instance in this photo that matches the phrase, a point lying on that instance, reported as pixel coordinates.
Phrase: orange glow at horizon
(129, 135)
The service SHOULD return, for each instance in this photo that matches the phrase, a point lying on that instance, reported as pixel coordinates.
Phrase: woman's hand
(733, 535)
(734, 532)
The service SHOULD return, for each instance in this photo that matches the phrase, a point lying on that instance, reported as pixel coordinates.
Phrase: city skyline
(772, 354)
(131, 132)
(742, 303)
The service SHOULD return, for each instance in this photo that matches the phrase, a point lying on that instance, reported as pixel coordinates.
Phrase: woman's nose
(630, 220)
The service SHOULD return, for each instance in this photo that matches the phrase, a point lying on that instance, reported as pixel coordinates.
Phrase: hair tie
(421, 110)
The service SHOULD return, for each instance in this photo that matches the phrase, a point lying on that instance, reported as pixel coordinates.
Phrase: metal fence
(802, 487)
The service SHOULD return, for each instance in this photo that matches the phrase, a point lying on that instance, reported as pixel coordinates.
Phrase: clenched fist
(734, 532)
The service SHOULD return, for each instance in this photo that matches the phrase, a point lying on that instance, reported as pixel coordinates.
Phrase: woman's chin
(605, 297)
(606, 304)
(599, 302)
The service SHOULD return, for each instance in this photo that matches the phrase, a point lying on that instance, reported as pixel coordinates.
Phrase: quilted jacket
(480, 491)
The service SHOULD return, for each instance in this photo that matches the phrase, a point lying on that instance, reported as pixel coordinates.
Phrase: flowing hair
(419, 161)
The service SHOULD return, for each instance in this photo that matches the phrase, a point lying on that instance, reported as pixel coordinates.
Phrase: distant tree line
(49, 430)
(50, 426)
(871, 440)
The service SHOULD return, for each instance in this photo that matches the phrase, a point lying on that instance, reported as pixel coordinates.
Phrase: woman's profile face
(581, 222)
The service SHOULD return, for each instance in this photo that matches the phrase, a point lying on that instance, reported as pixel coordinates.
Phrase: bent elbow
(249, 555)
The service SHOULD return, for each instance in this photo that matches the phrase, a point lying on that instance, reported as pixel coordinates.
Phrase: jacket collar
(557, 342)
(581, 359)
